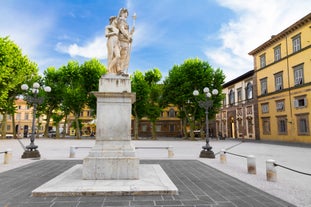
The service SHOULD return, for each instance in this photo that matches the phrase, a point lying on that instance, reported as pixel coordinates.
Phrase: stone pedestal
(113, 157)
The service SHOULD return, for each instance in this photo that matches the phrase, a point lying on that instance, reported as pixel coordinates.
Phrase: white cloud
(96, 48)
(254, 24)
(25, 29)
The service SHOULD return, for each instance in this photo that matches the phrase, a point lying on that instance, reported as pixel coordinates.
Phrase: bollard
(7, 156)
(170, 152)
(223, 158)
(72, 152)
(251, 164)
(270, 170)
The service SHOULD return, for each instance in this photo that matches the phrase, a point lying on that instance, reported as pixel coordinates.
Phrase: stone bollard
(170, 152)
(270, 170)
(223, 158)
(7, 156)
(72, 152)
(251, 164)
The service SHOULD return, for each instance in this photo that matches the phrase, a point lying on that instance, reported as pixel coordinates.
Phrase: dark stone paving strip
(199, 186)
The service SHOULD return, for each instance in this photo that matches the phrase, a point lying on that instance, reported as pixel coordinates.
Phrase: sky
(167, 32)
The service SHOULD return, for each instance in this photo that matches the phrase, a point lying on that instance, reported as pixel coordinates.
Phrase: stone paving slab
(198, 185)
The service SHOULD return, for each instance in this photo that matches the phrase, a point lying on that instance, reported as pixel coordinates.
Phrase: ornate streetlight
(31, 149)
(207, 104)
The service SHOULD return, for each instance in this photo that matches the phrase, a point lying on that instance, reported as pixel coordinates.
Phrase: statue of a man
(119, 43)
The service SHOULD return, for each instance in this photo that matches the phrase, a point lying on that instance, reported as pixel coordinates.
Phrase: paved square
(198, 185)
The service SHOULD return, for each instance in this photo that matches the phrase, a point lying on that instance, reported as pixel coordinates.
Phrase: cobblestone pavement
(198, 184)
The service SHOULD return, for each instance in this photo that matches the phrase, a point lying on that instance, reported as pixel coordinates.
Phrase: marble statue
(119, 41)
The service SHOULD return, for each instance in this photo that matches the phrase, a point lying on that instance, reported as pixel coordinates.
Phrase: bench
(169, 149)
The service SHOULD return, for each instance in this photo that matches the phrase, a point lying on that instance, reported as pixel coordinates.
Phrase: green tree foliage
(153, 106)
(78, 82)
(15, 69)
(140, 87)
(183, 80)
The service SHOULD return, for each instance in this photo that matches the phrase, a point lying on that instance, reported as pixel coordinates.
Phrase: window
(224, 101)
(88, 113)
(303, 124)
(278, 81)
(144, 128)
(296, 43)
(277, 53)
(19, 107)
(8, 127)
(239, 112)
(171, 113)
(266, 125)
(282, 124)
(239, 90)
(26, 116)
(158, 128)
(265, 108)
(263, 83)
(280, 105)
(172, 127)
(249, 91)
(298, 74)
(300, 102)
(81, 113)
(231, 97)
(18, 116)
(249, 110)
(262, 60)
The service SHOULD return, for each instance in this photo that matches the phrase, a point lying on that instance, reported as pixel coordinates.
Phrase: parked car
(52, 134)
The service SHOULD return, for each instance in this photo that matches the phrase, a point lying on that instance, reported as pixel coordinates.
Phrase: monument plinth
(113, 156)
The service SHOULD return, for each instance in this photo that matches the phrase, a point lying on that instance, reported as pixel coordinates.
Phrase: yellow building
(282, 67)
(23, 120)
(167, 125)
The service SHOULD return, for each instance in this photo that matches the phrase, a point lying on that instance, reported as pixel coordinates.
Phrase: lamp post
(207, 104)
(31, 149)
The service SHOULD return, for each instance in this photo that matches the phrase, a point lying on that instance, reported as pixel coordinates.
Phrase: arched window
(171, 113)
(249, 90)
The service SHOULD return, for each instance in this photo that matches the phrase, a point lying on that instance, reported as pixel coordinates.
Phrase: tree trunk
(77, 127)
(153, 131)
(13, 126)
(136, 128)
(184, 127)
(3, 126)
(47, 124)
(64, 132)
(57, 131)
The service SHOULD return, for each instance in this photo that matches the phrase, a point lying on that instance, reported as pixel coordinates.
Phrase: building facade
(282, 67)
(237, 116)
(23, 120)
(168, 124)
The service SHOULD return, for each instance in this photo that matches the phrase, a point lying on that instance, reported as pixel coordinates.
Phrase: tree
(140, 87)
(79, 82)
(183, 80)
(153, 106)
(16, 69)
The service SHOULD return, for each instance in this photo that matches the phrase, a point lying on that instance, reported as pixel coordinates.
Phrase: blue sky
(222, 32)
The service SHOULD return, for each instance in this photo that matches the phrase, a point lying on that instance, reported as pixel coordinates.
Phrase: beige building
(237, 117)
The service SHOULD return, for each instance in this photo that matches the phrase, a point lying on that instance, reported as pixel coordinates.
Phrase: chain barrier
(230, 147)
(278, 165)
(235, 154)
